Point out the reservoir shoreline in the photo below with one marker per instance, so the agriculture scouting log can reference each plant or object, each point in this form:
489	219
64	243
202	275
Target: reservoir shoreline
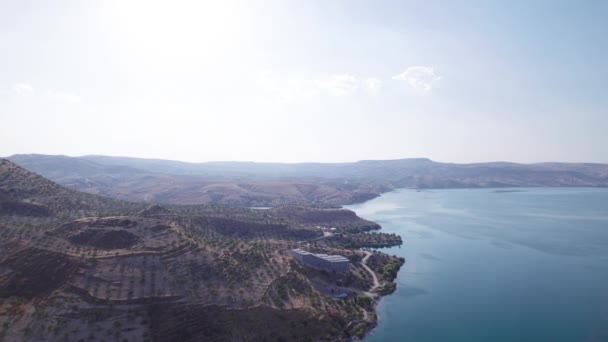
523	265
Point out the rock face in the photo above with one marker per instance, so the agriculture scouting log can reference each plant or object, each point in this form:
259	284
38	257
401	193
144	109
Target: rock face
93	268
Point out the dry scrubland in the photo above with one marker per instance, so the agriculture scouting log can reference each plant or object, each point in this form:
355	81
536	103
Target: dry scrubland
79	267
271	184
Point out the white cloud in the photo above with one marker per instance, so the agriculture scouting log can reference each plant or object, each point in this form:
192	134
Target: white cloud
22	88
58	96
421	78
303	89
61	96
373	85
344	84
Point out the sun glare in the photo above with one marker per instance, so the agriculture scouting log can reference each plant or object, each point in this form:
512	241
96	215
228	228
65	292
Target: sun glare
185	29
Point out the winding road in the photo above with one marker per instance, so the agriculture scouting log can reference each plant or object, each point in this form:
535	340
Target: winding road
364	264
326	234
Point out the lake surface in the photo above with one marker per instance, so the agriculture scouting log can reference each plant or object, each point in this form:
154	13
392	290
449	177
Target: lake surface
495	265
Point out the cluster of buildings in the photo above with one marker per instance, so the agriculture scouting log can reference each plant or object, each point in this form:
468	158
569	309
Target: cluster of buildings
332	229
332	263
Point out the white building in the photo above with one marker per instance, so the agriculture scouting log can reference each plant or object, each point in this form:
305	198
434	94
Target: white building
336	263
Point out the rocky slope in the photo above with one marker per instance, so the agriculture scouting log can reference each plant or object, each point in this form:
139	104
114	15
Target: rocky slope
77	266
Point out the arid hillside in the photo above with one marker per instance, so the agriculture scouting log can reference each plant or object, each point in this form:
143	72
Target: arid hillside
248	184
174	186
77	266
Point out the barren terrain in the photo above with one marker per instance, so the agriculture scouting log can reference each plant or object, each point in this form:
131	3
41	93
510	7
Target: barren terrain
77	266
272	184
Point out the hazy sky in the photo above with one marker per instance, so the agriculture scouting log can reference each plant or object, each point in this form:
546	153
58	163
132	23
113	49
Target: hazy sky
306	80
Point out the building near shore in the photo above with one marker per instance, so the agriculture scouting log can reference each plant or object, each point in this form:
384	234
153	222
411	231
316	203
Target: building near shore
331	263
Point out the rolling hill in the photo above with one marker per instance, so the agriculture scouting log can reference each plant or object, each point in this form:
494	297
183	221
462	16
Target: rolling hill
77	266
270	184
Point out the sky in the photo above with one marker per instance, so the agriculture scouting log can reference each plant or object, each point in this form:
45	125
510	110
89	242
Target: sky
296	81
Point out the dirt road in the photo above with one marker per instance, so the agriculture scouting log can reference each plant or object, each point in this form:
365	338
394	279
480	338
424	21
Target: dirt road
364	264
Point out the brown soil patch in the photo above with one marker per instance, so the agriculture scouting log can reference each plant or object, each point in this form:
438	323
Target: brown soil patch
103	238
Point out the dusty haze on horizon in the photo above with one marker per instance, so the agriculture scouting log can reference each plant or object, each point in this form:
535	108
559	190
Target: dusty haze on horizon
314	81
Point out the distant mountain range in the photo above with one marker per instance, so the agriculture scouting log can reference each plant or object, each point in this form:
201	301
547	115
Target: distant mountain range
271	184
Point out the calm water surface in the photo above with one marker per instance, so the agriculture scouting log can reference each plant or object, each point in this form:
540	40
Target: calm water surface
494	265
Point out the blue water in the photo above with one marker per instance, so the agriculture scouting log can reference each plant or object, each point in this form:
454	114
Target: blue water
488	265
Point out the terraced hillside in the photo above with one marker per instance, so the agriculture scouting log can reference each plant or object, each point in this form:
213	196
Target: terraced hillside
80	267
